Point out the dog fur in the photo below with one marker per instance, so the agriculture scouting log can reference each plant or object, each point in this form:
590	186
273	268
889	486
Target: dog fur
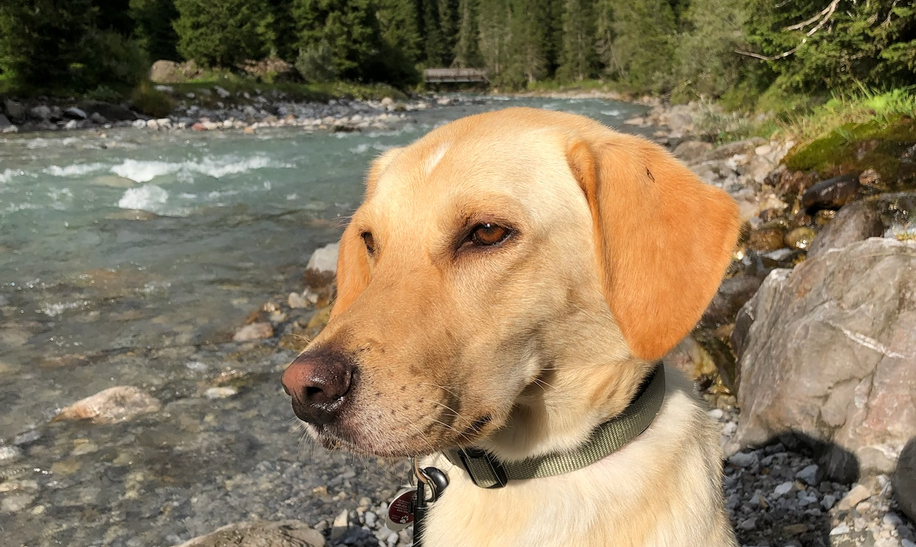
523	347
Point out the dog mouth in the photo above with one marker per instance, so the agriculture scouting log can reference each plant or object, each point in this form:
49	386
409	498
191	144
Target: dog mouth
415	442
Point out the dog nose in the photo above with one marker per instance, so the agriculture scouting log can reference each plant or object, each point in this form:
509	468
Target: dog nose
318	383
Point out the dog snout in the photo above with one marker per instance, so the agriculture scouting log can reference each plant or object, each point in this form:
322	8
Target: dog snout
319	384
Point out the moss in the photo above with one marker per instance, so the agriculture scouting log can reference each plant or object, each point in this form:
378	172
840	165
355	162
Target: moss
854	148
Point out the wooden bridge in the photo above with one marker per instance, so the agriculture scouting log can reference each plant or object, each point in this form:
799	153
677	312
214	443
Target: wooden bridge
454	75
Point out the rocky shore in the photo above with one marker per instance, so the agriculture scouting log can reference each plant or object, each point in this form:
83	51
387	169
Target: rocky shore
212	108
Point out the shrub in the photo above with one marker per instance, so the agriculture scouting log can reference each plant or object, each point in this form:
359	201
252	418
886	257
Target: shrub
148	100
315	63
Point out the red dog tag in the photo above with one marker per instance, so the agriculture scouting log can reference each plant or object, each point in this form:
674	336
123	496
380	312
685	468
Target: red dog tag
400	510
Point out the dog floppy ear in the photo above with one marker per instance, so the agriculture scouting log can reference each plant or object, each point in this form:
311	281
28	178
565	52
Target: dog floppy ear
352	265
663	237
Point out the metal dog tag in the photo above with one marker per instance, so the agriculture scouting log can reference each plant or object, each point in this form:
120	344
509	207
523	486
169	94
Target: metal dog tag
400	510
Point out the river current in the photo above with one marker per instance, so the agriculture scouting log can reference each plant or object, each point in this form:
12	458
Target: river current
125	254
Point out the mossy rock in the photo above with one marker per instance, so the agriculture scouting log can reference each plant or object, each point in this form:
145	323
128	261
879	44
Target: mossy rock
854	148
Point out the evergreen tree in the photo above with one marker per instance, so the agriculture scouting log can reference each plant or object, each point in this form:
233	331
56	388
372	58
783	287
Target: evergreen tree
400	27
67	46
223	32
707	62
348	28
530	41
643	46
436	47
153	27
282	30
493	23
819	45
578	58
448	26
467	49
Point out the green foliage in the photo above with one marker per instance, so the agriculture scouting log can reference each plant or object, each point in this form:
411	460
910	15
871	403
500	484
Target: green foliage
707	64
153	28
816	45
467	48
223	32
349	29
316	64
72	46
400	28
578	57
643	49
494	40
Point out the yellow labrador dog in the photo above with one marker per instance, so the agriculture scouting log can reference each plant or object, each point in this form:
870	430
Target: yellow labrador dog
504	293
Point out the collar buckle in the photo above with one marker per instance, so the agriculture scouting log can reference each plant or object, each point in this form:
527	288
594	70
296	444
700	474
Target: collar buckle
484	470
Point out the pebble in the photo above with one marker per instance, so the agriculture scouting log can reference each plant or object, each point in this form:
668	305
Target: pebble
858	494
743	459
841	529
810	475
220	392
254	331
783	489
9	453
339	527
16	503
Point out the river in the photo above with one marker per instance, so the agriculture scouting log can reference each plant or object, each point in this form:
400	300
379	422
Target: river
129	257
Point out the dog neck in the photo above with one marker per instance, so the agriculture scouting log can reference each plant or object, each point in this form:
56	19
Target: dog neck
486	471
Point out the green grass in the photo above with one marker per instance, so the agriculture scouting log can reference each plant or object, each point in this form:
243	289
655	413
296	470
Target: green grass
845	110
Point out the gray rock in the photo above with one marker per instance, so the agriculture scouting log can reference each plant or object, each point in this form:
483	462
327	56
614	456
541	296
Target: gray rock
810	475
41	112
75	113
254	331
223	93
732	295
109	111
16	503
5	123
72	124
324	259
857	221
783	489
98	118
743	459
15	110
827	360
115	404
692	151
857	495
340	526
904	480
165	72
284	533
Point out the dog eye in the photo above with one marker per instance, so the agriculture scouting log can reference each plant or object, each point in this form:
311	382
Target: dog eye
488	234
369	241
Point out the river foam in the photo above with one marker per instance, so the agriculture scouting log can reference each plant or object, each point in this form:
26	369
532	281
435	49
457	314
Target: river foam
216	167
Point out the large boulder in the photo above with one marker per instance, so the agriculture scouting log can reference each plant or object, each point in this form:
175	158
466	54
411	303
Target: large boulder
857	221
830	357
284	533
166	72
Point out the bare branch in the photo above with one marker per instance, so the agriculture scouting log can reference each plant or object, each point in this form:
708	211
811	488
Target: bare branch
826	13
824	16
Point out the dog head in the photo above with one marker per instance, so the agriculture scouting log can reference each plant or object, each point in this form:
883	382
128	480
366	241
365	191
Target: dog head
505	282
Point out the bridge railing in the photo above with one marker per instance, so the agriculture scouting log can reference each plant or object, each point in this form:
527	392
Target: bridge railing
454	75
